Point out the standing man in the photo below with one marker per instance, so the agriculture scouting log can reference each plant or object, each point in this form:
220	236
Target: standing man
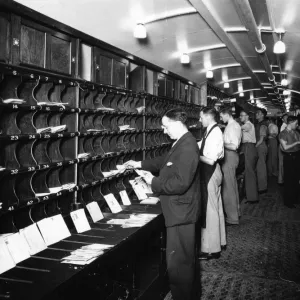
261	133
213	236
178	187
280	154
251	156
272	149
230	194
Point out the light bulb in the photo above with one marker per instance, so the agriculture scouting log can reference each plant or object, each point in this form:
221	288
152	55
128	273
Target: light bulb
241	94
252	101
140	31
284	82
226	85
279	47
286	92
185	59
209	74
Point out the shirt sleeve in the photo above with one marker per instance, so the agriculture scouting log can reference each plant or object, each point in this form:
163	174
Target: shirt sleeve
214	145
263	130
246	127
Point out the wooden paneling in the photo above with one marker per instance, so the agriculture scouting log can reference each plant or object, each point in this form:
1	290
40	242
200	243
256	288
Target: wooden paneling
4	37
32	46
119	74
60	55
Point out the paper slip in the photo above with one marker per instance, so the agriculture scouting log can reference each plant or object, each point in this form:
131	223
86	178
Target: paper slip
80	221
125	198
6	260
124	127
43	130
14	101
121	167
113	203
150	201
78	262
105	108
53	103
138	189
53	229
17	247
97	247
59	128
140	109
96	130
110	173
33	238
83	155
42	194
94	211
2	168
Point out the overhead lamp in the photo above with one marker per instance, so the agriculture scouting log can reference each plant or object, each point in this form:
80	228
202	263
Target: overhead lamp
209	74
287	100
241	94
286	92
284	82
252	101
279	46
185	59
226	85
140	31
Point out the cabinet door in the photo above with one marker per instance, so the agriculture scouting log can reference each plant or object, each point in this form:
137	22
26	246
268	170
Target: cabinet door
161	85
5	31
102	68
119	73
169	88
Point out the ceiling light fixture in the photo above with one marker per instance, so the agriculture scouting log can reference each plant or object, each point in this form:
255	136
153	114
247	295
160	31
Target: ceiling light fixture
185	59
286	92
241	94
279	46
226	85
209	74
284	82
140	31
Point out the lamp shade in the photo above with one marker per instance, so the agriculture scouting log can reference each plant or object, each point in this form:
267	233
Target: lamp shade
209	74
279	47
185	59
226	85
284	82
140	31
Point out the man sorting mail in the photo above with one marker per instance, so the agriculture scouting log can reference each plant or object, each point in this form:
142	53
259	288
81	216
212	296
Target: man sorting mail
178	187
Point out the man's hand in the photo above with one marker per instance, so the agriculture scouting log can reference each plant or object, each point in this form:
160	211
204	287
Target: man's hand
132	164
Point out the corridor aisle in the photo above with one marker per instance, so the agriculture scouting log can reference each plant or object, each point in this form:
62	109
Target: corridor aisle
262	257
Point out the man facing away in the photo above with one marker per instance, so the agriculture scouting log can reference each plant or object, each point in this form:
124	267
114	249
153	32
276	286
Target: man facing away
230	194
251	156
280	154
272	149
261	133
178	187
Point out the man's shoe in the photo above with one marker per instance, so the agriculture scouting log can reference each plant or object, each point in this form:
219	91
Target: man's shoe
230	224
290	205
208	256
223	247
262	191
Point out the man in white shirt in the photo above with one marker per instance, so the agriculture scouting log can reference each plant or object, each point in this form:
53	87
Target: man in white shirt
272	163
251	156
213	236
280	154
230	194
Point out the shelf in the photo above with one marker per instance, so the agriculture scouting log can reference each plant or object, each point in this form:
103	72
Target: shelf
26	137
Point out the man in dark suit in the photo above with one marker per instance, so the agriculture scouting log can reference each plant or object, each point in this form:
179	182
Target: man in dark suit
178	187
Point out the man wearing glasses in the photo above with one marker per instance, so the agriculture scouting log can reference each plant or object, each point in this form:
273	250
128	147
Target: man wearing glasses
251	157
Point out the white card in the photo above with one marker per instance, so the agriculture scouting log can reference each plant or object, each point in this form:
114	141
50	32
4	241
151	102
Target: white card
125	198
138	189
80	221
33	238
17	247
113	203
6	261
53	229
94	211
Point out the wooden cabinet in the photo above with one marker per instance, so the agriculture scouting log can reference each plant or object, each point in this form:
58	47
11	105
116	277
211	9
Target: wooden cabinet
5	36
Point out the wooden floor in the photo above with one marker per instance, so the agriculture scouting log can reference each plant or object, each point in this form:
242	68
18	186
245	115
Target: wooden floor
262	260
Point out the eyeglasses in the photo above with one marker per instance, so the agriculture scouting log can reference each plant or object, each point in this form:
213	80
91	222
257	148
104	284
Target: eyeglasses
244	115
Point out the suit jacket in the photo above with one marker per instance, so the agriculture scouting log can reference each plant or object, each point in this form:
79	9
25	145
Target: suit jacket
178	183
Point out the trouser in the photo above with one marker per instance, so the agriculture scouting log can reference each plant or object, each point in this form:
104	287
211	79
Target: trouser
291	177
280	165
261	167
273	157
213	236
181	260
230	192
251	157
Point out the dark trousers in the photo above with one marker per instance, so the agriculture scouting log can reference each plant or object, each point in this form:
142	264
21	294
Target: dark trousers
181	260
251	158
273	157
291	177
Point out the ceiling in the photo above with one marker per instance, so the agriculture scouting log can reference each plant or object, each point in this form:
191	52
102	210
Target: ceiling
198	25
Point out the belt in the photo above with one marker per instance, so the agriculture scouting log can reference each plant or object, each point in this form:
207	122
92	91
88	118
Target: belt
230	150
249	143
291	153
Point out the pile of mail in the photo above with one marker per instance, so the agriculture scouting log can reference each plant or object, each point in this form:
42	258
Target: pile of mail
135	220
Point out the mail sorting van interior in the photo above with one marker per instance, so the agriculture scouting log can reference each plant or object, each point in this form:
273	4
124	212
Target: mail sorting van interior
72	108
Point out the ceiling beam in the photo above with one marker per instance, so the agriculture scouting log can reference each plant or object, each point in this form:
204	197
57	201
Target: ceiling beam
221	34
